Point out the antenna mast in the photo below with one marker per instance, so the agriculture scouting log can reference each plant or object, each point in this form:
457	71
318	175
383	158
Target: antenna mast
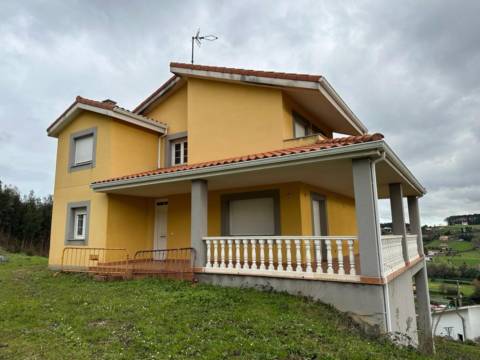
198	40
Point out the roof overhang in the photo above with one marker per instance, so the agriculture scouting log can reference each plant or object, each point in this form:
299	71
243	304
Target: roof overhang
170	86
327	168
114	112
336	112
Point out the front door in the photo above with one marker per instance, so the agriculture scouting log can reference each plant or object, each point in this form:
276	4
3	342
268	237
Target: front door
160	235
319	215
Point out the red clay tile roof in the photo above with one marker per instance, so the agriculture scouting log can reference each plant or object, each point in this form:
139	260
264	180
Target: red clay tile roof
267	74
319	145
107	104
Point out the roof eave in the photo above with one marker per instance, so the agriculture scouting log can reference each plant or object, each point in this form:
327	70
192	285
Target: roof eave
372	149
321	85
74	110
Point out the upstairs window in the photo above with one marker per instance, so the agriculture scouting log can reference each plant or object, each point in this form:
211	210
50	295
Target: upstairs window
302	127
82	149
179	151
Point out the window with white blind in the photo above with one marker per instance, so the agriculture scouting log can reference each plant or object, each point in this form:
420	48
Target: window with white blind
82	149
179	151
255	213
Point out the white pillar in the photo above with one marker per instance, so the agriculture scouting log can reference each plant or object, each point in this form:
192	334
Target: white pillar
414	219
398	216
366	209
199	220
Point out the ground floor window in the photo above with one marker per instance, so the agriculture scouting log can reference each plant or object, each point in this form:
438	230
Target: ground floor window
77	223
252	213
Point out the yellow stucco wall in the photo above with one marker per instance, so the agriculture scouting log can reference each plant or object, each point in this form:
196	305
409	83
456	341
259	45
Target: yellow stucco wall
120	149
226	119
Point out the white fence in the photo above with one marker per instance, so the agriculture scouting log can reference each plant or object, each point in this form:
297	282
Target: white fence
392	253
412	247
285	256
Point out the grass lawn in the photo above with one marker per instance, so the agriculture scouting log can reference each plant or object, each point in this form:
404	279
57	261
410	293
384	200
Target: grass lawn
57	316
467	290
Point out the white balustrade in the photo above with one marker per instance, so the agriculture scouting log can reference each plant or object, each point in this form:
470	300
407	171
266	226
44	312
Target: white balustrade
287	256
392	253
412	247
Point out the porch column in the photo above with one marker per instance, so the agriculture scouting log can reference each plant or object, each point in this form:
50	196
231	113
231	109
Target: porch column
366	206
424	320
398	216
199	220
414	218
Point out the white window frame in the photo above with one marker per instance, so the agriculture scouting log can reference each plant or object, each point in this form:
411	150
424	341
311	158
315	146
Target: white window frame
183	145
77	213
74	211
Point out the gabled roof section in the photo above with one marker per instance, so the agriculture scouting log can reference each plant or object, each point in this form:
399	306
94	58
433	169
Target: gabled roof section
320	145
313	92
107	108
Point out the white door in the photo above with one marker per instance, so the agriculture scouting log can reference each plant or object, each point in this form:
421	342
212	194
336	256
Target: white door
160	235
319	217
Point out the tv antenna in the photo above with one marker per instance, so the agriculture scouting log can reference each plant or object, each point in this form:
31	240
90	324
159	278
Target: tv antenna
198	39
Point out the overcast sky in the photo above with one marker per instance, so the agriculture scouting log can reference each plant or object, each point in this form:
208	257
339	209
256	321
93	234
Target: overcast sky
408	69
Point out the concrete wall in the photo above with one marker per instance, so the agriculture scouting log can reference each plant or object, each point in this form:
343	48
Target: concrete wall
402	308
364	303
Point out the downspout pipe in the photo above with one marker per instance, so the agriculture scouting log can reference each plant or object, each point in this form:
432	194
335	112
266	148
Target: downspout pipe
388	320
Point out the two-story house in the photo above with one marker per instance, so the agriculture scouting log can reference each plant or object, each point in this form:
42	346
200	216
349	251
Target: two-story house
243	167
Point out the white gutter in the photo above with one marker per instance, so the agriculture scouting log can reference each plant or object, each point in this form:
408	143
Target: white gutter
369	149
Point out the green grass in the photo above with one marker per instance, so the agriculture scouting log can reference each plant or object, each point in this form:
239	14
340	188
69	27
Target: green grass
44	315
435	287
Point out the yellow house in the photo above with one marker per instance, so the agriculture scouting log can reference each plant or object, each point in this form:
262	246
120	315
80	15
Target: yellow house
242	167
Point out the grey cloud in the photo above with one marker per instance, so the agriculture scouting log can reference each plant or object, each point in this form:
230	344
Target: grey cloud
408	69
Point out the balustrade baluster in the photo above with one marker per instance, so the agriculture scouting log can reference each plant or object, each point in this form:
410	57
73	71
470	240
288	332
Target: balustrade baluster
308	258
318	255
230	254
262	254
279	255
245	254
254	254
237	254
351	258
209	255
270	254
215	253
222	255
298	256
329	256
289	255
341	270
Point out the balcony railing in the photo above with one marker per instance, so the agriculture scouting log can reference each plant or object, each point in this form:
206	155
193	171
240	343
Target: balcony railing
283	256
392	253
412	247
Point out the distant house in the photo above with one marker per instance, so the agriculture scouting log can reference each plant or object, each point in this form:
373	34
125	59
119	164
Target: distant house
471	219
459	324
